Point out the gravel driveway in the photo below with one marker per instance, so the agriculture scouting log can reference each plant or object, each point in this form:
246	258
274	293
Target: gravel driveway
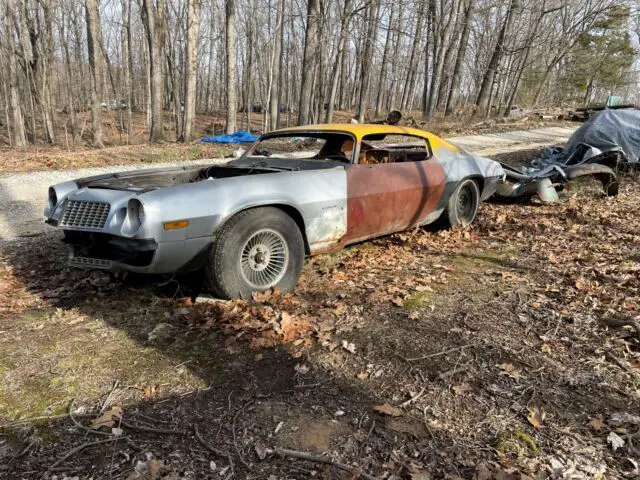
23	195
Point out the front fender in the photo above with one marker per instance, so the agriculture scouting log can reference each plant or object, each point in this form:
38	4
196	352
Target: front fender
604	174
318	195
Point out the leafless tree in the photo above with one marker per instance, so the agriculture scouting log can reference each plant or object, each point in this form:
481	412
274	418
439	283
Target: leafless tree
19	137
311	44
193	29
230	36
294	61
153	14
94	40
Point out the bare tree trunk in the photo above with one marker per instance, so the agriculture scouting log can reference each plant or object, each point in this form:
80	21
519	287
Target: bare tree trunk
210	65
172	86
367	58
94	39
525	60
417	37
338	62
431	45
391	99
456	77
19	137
451	47
230	36
47	73
311	43
127	61
248	73
440	60
71	100
193	30
6	110
321	67
383	69
153	19
274	93
357	64
280	60
28	42
484	95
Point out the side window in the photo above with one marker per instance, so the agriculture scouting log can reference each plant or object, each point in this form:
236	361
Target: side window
377	149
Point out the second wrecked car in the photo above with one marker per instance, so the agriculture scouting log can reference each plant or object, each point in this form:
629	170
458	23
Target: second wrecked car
606	144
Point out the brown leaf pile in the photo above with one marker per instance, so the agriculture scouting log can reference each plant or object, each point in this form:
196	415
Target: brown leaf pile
274	319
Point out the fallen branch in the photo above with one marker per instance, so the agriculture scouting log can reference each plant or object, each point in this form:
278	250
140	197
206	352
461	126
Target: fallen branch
15	423
612	358
233	431
105	404
82	427
414	398
214	450
79	448
622	322
283	452
444	352
162	431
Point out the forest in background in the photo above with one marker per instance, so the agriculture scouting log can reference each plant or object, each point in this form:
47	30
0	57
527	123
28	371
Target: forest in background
68	64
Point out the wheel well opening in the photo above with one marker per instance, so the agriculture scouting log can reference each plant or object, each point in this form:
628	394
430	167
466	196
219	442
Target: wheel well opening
297	217
479	181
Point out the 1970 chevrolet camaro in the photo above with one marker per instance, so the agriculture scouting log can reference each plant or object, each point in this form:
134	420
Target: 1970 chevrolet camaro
250	222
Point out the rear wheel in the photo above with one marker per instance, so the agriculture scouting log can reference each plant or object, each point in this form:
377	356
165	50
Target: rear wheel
255	250
462	207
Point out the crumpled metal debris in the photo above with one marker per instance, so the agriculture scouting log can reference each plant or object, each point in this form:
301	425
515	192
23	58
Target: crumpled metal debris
605	145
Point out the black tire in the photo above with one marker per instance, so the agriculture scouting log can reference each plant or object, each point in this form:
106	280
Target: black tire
463	205
254	251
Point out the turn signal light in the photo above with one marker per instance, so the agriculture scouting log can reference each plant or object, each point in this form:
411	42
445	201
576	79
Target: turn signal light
177	225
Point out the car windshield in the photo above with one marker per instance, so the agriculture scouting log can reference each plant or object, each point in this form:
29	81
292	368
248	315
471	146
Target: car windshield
305	145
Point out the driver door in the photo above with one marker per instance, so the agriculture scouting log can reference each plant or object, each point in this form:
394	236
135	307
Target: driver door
397	190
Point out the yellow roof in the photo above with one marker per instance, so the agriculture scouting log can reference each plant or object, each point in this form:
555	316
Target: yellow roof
360	130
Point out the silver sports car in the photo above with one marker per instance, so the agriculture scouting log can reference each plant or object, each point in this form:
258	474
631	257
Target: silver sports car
250	222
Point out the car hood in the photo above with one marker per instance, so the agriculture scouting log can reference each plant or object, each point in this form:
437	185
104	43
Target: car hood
141	181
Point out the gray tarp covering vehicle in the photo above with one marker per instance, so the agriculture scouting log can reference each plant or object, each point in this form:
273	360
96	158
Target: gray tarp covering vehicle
607	143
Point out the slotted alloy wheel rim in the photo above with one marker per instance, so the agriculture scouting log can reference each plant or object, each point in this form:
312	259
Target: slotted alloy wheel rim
264	259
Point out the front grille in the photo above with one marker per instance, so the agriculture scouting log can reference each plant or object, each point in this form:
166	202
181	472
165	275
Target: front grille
89	262
84	214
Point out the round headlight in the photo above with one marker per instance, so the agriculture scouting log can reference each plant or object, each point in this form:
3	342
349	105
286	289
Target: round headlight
53	198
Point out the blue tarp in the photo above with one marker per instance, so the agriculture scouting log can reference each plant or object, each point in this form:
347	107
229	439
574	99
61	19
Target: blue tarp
241	136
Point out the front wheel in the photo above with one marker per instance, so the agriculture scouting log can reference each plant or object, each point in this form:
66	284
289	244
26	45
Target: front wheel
255	250
462	207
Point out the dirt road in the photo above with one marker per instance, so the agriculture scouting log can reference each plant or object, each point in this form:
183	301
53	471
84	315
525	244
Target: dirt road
23	195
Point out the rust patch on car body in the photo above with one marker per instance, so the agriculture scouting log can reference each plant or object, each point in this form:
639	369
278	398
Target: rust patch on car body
383	199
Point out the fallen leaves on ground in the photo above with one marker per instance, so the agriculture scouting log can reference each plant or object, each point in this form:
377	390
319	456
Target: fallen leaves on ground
107	419
597	423
510	370
527	287
387	409
536	417
462	388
